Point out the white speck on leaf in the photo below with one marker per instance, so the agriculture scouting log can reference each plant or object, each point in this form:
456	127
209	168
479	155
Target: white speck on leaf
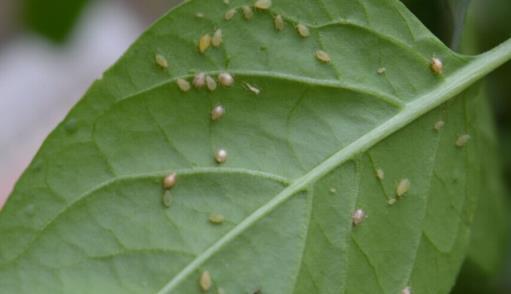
229	14
169	181
221	156
217	39
205	281
161	61
199	80
225	79
303	30
279	23
358	217
403	187
183	85
437	66
217	112
462	140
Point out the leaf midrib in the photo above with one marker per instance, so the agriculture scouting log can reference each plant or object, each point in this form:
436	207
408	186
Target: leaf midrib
449	88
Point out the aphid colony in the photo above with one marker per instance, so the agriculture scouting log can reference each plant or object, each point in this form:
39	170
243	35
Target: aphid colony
224	79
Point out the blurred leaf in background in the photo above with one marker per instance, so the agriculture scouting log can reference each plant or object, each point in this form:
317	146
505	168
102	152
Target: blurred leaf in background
53	19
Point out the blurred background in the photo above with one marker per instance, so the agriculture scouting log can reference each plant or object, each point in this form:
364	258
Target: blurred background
52	50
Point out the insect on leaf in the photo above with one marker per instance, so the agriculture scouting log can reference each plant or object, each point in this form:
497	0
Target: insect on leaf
294	155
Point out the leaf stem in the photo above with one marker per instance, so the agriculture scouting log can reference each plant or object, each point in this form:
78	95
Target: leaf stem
449	88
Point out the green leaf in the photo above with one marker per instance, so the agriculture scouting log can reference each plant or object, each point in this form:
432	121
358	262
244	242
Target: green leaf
87	215
490	230
54	19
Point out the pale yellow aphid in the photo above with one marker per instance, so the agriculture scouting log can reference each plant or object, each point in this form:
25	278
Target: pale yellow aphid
279	23
403	187
323	56
205	281
169	181
248	13
358	217
406	290
392	201
216	218
183	85
166	198
227	2
217	112
220	156
252	89
380	174
217	39
262	4
437	66
303	30
229	14
333	190
221	291
225	79
381	70
439	125
462	140
199	80
204	43
199	15
161	61
211	83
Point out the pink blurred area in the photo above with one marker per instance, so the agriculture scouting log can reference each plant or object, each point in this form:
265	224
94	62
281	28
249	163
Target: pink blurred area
40	81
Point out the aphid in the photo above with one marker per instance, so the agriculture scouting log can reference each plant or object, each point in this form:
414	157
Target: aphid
439	125
166	199
205	281
279	23
161	61
437	66
262	4
211	83
358	217
199	15
247	12
183	85
217	112
227	2
392	201
257	291
229	14
216	218
380	174
462	140
221	156
221	291
381	70
303	30
204	43
169	181
225	79
406	290
216	41
323	56
403	187
199	80
252	89
333	190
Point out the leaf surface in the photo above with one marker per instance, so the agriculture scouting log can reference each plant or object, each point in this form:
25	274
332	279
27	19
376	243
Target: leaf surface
87	216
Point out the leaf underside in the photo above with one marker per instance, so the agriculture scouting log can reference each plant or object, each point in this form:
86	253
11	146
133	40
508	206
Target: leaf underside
87	217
